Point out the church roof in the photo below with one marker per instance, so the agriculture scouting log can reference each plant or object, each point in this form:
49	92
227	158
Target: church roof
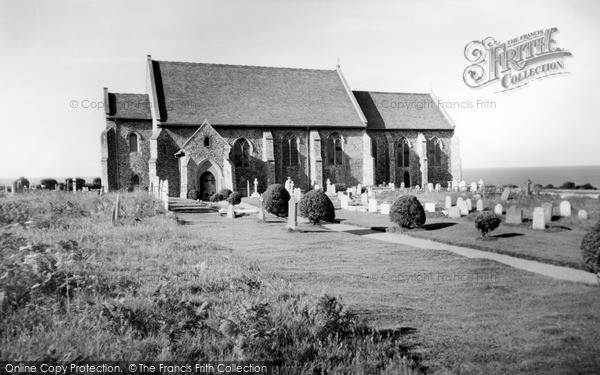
393	110
127	106
189	93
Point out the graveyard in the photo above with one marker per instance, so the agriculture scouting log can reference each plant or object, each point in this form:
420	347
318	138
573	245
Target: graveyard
142	263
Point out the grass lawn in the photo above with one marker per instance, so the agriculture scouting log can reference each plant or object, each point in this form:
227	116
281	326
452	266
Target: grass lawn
467	316
558	245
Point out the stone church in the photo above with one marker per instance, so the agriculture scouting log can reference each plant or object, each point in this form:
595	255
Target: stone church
213	126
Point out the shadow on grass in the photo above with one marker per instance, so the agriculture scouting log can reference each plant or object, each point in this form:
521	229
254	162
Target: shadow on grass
508	235
362	232
436	226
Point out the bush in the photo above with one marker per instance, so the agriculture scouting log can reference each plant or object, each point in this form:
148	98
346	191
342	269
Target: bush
568	185
590	249
275	200
316	206
225	193
407	212
587	186
486	222
216	198
48	183
234	198
549	186
193	194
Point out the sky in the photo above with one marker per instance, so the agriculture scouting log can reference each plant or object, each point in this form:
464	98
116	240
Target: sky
56	53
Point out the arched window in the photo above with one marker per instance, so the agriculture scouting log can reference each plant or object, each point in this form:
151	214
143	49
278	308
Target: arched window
334	150
135	181
289	150
434	152
241	153
403	153
206	142
134	142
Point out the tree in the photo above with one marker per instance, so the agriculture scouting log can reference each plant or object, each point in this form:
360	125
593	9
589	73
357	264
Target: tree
48	183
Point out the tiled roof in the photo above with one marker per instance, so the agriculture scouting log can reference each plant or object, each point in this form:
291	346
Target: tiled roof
190	93
387	110
128	106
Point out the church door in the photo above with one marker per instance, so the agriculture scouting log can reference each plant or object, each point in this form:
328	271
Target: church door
207	185
406	179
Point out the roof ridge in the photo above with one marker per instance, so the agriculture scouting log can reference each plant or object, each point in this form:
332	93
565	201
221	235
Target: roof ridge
242	66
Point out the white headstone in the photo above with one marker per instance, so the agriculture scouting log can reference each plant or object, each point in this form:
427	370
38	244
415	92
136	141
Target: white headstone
261	210
230	213
292	214
364	199
547	206
402	185
454	212
297	194
438	187
479	205
464	210
430	187
385	208
359	189
480	185
473	186
429	207
448	202
582	214
469	204
373	205
539	218
344	201
565	209
498	209
459	200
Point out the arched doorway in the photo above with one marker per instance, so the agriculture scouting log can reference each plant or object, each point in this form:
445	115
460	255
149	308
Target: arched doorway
406	179
208	185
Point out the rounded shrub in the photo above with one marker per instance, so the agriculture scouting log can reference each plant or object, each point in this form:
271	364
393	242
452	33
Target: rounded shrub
486	222
234	198
225	193
275	200
590	249
316	206
407	212
193	194
340	187
216	197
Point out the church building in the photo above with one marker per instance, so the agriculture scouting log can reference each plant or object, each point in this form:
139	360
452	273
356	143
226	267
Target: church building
206	127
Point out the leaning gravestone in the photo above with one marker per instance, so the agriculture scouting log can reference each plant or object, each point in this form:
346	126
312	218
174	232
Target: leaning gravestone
547	206
514	215
448	202
479	205
582	215
454	212
429	207
505	194
539	218
498	209
565	209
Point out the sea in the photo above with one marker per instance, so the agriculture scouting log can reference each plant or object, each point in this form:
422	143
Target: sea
538	175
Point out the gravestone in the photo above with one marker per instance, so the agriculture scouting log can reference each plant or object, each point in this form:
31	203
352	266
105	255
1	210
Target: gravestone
514	215
582	215
429	207
547	206
297	194
448	202
565	209
459	201
464	210
430	187
385	208
359	189
469	204
438	187
230	213
373	205
479	205
364	199
480	185
402	186
344	201
528	188
292	214
498	209
539	218
393	186
340	194
255	194
473	186
287	184
261	210
505	194
328	191
454	212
